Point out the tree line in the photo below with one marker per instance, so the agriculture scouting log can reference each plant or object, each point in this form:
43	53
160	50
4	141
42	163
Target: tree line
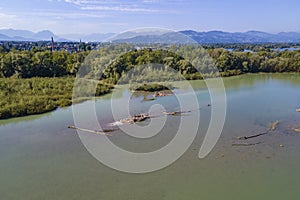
28	64
209	62
37	63
231	63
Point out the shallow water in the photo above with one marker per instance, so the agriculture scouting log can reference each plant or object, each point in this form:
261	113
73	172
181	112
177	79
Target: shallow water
41	159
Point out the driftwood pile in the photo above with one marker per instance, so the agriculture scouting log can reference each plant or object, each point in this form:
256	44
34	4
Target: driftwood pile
135	118
162	94
142	117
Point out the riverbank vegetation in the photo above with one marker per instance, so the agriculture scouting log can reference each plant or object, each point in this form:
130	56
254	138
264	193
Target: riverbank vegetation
21	97
36	81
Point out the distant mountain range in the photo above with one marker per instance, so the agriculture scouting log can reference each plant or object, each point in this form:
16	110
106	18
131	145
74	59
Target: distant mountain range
186	36
189	36
247	37
94	37
24	35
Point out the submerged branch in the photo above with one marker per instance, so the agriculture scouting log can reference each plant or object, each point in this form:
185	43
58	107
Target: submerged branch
104	132
252	136
297	130
176	112
245	144
272	128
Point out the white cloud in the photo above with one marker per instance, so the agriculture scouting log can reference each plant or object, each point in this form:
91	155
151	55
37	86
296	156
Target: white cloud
82	2
118	8
112	5
73	15
6	16
150	1
7	20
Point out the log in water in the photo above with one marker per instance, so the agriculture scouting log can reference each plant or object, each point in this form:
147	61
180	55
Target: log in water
104	132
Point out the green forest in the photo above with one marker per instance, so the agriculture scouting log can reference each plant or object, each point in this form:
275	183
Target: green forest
44	63
39	80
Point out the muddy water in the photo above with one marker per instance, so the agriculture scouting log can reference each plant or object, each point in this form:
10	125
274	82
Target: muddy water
41	159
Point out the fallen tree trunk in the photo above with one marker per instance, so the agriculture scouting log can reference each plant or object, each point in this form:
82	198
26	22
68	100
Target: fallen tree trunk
297	130
176	112
104	132
272	128
252	136
149	99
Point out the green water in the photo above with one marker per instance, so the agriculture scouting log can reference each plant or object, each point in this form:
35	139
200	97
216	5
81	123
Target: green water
41	159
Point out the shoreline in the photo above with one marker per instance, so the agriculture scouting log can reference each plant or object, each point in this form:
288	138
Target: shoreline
70	103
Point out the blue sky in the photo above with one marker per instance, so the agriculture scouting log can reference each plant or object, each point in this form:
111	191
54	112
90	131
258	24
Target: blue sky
93	16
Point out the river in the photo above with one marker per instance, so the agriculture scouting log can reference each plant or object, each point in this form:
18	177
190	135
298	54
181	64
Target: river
40	158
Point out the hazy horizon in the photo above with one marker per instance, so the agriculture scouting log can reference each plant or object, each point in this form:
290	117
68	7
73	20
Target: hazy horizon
138	28
115	16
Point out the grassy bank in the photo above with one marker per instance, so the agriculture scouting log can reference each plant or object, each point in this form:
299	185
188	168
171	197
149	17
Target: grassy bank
21	97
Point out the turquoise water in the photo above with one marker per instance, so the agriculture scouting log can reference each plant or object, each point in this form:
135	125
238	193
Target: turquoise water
41	159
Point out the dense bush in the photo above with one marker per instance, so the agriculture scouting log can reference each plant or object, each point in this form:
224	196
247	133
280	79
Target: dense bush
20	97
28	64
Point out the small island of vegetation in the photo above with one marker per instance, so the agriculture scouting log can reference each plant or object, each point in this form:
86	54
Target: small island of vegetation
152	87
